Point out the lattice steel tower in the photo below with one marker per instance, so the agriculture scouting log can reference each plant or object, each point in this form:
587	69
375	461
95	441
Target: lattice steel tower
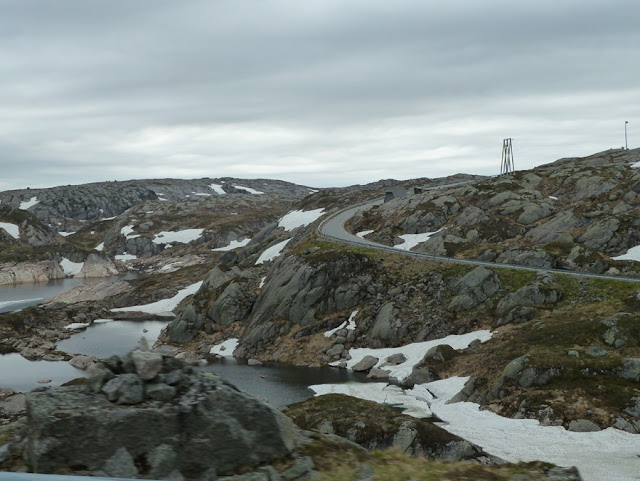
507	166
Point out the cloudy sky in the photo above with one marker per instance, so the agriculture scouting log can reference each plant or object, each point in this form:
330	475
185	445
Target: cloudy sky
318	92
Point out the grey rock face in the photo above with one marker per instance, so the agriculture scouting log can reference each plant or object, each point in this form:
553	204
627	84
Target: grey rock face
583	426
365	364
381	329
529	295
124	389
207	427
148	364
474	288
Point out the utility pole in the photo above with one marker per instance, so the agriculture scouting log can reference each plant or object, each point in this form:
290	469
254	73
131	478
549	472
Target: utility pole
626	146
507	165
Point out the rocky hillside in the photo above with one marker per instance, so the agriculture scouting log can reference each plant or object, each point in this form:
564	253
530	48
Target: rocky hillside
575	214
564	349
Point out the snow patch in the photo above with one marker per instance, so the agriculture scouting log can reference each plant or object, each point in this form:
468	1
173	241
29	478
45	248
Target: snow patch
183	236
553	198
364	233
313	191
29	203
412	240
350	324
65	234
102	321
217	188
232	245
77	325
12	229
262	282
99	247
272	252
108	218
204	195
125	257
164	306
606	454
249	189
299	218
127	231
225	349
414	352
71	268
636	165
632	254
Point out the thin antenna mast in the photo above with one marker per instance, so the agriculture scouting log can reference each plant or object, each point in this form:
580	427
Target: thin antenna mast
507	165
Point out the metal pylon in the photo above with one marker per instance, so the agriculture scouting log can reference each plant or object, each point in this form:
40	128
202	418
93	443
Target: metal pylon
507	166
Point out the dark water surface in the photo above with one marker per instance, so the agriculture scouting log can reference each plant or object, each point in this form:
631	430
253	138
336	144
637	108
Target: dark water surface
278	384
19	296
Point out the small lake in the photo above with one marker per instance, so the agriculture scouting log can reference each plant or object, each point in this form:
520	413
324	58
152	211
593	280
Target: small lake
278	384
19	296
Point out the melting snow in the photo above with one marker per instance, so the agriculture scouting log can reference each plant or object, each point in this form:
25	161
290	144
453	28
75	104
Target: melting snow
65	234
99	247
71	268
205	195
350	324
636	165
298	218
364	233
125	257
632	254
108	218
12	229
233	245
249	189
127	231
553	198
262	282
313	191
272	252
182	236
164	306
225	349
217	188
102	321
77	325
28	204
412	240
414	352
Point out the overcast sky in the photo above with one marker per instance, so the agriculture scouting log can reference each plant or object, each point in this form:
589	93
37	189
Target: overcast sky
318	92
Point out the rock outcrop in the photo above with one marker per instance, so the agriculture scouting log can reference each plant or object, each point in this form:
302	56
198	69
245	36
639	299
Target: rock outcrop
148	415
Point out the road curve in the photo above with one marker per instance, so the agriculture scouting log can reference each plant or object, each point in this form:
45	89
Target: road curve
332	228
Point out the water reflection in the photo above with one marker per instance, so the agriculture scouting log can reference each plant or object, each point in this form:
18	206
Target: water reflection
116	337
22	375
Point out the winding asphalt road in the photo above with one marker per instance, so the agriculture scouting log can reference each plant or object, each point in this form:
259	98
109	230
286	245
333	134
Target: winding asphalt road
332	228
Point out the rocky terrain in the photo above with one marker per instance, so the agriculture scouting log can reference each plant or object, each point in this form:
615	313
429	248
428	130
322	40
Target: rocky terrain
562	349
573	214
148	415
101	228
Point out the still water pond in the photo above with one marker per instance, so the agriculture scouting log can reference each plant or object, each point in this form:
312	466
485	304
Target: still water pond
278	384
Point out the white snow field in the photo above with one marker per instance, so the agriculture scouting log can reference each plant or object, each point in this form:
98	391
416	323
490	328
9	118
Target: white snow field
234	244
632	254
225	349
609	454
413	352
350	324
128	232
272	252
164	306
12	229
71	268
217	188
29	203
183	236
249	189
125	257
364	233
299	218
412	240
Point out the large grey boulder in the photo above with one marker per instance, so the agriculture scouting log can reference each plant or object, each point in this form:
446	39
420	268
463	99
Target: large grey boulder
474	288
208	426
365	364
531	295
